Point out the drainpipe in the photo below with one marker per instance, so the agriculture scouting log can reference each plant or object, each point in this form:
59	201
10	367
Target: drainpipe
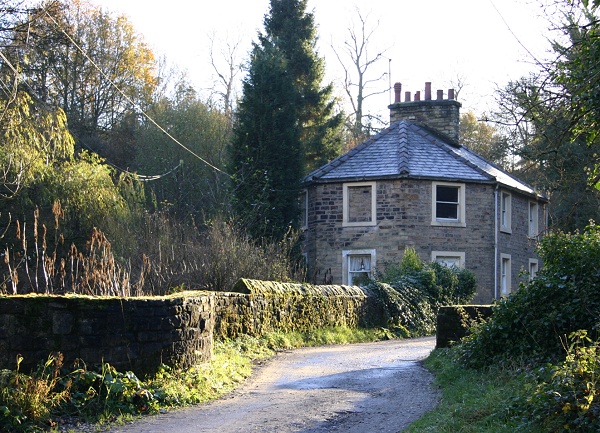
496	242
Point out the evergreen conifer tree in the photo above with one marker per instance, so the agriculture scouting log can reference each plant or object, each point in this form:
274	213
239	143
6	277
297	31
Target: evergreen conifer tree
293	31
266	152
286	124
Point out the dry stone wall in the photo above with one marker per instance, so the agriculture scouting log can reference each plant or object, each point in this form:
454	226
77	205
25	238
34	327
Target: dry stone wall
135	334
259	307
139	334
454	322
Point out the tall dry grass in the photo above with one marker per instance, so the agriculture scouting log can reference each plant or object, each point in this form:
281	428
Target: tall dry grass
165	256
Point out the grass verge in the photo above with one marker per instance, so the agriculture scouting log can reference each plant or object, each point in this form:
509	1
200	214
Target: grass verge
476	401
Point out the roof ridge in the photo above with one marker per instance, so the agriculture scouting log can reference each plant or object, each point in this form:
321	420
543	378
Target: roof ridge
434	139
502	170
403	149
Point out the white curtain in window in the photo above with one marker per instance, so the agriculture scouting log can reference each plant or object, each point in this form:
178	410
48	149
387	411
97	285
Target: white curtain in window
359	263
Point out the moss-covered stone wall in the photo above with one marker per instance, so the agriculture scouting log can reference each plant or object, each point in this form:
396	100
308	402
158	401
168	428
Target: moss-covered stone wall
453	322
139	334
135	334
257	307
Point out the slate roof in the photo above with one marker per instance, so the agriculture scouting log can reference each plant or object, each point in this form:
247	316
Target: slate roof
408	150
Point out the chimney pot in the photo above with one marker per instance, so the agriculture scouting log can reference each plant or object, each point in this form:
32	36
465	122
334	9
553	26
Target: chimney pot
442	116
397	92
428	91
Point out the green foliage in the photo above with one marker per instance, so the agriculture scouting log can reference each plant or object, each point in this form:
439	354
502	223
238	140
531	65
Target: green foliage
33	140
292	29
107	390
266	152
413	290
576	70
28	401
483	139
529	325
193	189
63	77
87	193
442	285
405	308
568	395
554	114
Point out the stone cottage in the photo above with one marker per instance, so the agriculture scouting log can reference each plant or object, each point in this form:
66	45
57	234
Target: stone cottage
414	185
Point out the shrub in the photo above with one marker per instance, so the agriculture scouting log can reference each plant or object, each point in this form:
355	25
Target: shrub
213	257
529	325
405	309
442	285
568	395
27	401
413	290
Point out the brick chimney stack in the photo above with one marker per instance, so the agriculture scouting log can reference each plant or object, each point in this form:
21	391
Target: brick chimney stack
441	115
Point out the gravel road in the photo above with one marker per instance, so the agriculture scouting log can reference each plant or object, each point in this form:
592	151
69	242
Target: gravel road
359	388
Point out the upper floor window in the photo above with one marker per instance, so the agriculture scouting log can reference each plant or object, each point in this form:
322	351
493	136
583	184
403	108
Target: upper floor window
533	219
359	204
505	212
448	204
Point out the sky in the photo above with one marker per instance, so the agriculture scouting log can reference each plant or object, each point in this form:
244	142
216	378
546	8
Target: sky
484	43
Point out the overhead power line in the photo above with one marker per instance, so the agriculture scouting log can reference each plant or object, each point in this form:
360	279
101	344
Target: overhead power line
136	106
514	35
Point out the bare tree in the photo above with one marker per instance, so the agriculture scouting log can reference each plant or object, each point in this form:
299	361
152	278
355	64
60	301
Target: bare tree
359	84
458	83
227	68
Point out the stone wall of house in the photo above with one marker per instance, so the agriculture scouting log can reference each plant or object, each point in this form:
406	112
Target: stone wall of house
135	334
359	199
517	243
404	214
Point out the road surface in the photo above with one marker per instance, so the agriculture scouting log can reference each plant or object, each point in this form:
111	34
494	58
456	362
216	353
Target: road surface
360	388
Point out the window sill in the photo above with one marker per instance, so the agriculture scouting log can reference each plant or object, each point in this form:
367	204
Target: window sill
360	224
448	223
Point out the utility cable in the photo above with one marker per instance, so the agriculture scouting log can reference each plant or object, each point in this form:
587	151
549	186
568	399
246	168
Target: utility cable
514	35
136	106
140	177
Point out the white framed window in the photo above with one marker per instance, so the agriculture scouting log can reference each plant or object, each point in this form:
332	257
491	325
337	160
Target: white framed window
303	204
533	268
505	212
359	207
449	258
357	264
533	219
505	274
448	204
